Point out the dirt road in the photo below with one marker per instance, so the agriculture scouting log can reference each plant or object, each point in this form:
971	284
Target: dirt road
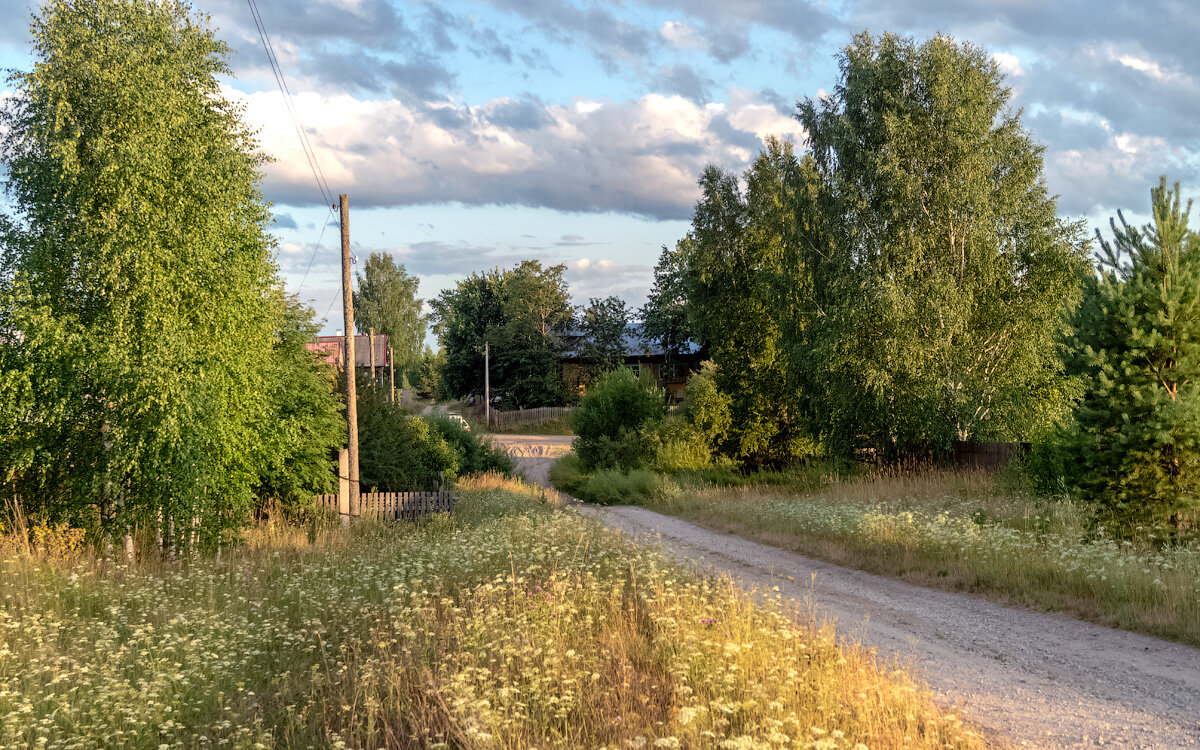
1038	680
535	453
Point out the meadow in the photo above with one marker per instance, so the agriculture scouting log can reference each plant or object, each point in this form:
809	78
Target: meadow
960	531
510	624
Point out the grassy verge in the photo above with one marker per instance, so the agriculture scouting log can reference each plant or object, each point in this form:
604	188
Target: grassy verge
956	531
512	624
542	427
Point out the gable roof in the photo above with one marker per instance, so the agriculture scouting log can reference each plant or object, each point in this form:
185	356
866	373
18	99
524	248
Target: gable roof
632	343
331	347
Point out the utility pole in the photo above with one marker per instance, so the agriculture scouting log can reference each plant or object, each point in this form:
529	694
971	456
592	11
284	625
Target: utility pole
392	372
351	386
487	387
371	343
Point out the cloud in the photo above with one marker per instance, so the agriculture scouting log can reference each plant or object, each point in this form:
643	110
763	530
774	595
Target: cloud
285	221
1114	87
637	156
684	81
681	35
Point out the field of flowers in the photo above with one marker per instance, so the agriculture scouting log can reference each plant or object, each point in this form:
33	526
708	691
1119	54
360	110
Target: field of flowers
968	532
512	624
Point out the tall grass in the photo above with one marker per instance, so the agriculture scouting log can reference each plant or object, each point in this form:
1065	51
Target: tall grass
512	624
970	531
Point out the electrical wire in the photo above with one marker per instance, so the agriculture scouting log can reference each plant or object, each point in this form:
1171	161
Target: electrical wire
310	154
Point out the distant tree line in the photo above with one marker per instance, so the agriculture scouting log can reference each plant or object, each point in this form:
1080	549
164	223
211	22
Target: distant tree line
525	316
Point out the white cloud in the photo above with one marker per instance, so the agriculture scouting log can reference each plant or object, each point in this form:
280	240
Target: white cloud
639	156
681	35
1009	64
1148	67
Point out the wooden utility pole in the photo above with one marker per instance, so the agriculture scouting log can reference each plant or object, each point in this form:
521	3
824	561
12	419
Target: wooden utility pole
392	372
351	386
487	387
371	343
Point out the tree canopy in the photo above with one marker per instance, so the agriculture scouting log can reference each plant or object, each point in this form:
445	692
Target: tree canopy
602	325
941	275
138	284
523	313
387	302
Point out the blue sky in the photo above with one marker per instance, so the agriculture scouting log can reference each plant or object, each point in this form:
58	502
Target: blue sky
477	133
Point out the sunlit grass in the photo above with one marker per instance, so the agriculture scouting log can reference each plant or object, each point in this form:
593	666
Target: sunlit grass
512	624
969	531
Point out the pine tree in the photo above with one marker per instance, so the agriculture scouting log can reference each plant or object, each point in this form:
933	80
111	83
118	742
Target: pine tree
1137	345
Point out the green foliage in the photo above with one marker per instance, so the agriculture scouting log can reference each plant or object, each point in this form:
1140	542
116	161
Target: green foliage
938	270
523	313
474	455
610	418
139	275
675	444
1137	347
306	427
665	314
706	406
463	319
612	486
428	381
733	251
603	325
387	302
398	452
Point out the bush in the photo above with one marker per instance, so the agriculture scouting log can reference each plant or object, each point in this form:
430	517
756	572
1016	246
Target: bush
613	486
610	419
474	455
706	406
398	452
675	444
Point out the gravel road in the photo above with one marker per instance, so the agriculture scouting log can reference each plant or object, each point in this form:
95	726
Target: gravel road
1034	679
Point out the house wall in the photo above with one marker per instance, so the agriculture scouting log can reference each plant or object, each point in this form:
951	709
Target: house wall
672	377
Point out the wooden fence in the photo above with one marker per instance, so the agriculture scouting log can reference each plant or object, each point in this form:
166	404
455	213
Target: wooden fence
987	455
394	506
502	419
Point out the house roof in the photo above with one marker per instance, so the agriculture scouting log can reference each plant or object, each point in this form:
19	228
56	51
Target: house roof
331	347
632	342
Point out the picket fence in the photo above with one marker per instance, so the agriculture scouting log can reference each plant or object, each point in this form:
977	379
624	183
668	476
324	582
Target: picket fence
395	506
503	419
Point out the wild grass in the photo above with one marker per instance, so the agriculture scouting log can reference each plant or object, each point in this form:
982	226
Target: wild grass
542	427
510	625
970	531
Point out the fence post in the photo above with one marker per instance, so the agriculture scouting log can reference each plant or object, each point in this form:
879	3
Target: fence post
344	485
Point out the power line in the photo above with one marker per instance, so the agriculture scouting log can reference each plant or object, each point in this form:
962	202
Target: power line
277	70
317	249
310	154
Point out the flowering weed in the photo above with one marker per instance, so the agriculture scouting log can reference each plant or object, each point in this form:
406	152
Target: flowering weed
512	624
966	532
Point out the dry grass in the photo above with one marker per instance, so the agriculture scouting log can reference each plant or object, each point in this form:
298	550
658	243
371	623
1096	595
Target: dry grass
511	625
967	531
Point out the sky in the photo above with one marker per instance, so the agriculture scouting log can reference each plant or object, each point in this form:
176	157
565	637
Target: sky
471	134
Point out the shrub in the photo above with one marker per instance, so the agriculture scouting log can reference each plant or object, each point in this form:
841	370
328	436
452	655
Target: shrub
613	486
610	419
706	406
398	452
474	455
675	444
